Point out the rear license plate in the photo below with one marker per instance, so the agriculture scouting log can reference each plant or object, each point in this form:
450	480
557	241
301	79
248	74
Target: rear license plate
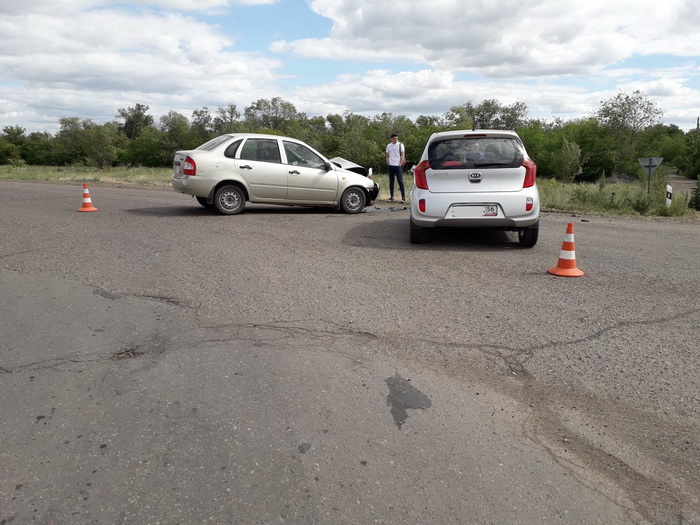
469	212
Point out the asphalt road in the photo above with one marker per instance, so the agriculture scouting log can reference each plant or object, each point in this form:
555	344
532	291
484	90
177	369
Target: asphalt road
160	363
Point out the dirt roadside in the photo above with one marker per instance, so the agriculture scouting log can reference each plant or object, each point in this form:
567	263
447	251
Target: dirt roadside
680	183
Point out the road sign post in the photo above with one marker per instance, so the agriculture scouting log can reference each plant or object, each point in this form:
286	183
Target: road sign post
650	164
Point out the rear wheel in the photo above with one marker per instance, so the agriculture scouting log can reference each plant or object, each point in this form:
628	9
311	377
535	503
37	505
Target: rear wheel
229	200
527	237
416	234
353	200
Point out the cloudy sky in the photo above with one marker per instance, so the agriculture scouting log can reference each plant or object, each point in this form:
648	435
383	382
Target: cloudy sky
87	58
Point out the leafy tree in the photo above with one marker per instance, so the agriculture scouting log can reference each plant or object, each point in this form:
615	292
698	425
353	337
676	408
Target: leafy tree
202	126
227	120
351	139
489	114
667	141
597	147
9	152
39	149
176	128
135	120
460	117
99	144
567	161
312	131
151	148
604	144
13	135
692	169
429	121
70	140
269	114
627	115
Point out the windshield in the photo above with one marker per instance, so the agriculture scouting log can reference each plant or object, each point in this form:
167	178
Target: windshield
474	152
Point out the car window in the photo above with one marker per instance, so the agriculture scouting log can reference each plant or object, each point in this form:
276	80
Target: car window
470	152
231	150
263	150
208	146
300	155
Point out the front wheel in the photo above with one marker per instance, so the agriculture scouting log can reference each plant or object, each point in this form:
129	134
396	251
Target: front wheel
353	200
229	200
527	237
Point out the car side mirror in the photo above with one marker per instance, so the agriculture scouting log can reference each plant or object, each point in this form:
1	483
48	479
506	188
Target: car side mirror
328	166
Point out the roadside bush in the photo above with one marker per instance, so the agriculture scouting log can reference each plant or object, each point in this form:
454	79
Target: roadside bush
641	202
694	201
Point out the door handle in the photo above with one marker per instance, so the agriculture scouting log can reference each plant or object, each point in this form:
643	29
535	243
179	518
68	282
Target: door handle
246	167
294	172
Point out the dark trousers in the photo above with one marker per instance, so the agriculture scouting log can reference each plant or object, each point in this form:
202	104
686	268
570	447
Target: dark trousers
396	172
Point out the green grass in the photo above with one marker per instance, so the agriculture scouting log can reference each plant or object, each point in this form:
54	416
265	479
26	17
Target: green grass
629	198
117	176
619	198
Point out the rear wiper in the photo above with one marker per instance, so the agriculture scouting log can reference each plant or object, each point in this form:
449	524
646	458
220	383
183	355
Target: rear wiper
493	164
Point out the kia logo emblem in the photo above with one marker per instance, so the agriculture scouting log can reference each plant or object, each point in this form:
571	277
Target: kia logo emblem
475	176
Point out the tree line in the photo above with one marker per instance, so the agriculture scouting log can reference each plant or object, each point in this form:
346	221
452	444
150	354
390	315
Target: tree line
604	144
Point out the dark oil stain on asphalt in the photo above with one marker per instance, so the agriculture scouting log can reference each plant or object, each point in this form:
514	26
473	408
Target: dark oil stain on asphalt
403	396
129	353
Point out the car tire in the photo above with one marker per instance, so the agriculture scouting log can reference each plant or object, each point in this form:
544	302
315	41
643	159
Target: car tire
527	237
353	200
417	234
229	200
203	202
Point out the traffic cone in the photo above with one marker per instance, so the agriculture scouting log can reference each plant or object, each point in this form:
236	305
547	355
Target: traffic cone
566	267
87	203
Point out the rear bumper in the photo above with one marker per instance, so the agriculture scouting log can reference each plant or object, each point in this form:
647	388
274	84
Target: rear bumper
197	186
439	209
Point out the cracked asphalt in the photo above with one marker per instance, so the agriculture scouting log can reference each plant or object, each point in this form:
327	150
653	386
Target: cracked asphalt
163	364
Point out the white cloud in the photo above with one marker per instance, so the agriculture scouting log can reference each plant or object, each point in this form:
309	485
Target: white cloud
502	39
87	58
106	57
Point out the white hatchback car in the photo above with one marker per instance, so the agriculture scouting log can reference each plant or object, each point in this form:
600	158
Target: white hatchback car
229	170
475	179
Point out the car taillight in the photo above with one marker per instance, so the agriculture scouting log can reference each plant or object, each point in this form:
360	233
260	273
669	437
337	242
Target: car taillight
419	175
421	205
530	173
190	167
529	204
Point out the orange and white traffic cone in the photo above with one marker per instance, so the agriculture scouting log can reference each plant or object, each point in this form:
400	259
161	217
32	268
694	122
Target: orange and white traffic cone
87	203
566	267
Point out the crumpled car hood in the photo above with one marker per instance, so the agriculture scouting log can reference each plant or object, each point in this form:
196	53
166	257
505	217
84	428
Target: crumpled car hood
350	166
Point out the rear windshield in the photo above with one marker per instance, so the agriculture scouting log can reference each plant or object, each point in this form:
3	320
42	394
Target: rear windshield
214	142
476	152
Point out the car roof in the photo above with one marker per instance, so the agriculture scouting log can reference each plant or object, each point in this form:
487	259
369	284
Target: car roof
258	135
476	133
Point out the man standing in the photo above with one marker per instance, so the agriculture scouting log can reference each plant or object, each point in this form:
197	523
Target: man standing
395	158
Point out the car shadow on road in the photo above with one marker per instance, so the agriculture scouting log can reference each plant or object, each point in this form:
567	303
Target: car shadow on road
199	211
393	234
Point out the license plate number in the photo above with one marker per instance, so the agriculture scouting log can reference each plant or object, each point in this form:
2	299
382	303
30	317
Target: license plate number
482	210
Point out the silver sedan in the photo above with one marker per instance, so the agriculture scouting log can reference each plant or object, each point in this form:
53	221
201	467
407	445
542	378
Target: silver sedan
230	170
